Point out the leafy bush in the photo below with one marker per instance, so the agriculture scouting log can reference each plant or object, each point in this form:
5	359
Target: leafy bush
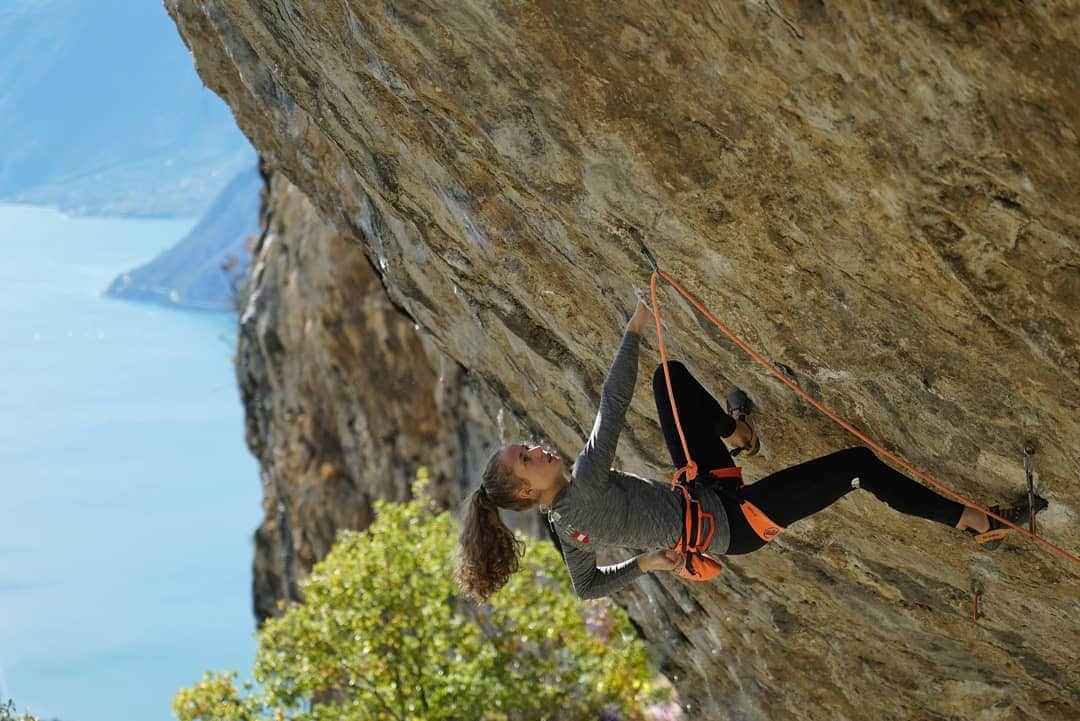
8	713
384	634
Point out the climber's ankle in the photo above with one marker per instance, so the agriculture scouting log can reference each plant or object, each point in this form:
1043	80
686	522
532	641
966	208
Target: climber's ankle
974	519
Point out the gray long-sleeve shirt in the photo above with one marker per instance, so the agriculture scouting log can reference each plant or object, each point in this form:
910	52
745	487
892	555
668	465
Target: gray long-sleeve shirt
603	506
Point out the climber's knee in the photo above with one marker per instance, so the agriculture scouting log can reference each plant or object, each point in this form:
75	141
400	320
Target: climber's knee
677	370
858	457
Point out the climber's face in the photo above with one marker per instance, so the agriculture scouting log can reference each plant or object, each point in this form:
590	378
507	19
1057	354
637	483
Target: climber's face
539	470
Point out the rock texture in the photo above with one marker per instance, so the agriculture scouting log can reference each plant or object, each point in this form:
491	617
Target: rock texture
880	196
344	399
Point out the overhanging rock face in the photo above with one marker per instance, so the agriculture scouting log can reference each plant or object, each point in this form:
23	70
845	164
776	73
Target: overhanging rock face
880	196
344	400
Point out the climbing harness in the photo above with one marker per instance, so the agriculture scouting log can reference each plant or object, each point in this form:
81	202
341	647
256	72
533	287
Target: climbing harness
695	539
689	472
765	528
694	542
699	525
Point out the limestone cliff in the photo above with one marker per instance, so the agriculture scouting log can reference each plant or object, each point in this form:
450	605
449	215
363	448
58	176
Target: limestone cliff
344	399
878	195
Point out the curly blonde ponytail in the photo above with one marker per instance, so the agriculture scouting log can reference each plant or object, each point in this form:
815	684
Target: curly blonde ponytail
488	552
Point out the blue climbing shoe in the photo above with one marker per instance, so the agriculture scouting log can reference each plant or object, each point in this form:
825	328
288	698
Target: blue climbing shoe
739	407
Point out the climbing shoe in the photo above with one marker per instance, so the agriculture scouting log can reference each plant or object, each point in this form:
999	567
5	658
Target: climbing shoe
739	407
1017	513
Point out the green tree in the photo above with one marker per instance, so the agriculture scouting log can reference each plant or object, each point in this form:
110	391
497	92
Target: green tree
383	634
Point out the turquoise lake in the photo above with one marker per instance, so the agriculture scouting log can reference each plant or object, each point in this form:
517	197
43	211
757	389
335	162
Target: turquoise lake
128	498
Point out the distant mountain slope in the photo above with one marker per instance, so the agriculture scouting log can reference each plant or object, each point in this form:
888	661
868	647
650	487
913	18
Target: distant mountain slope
101	112
203	270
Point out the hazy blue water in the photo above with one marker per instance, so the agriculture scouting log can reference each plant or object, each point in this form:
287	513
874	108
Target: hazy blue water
127	495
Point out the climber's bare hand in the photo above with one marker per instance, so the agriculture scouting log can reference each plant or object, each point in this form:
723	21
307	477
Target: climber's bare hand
642	315
663	560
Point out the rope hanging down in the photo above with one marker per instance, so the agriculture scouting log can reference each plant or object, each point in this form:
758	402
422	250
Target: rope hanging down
690	471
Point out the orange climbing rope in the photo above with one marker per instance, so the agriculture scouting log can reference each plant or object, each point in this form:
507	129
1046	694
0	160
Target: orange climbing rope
690	471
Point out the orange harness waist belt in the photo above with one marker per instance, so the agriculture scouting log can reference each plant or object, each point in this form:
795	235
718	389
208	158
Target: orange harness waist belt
695	538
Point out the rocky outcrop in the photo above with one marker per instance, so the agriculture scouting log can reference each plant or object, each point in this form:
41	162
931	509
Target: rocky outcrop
878	195
204	271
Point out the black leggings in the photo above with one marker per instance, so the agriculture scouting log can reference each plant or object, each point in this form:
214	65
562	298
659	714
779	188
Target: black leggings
793	493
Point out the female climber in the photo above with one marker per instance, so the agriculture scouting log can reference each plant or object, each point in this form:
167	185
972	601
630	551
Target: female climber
601	506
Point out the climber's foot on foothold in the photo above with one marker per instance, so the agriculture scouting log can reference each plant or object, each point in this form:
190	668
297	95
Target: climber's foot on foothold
739	407
1017	512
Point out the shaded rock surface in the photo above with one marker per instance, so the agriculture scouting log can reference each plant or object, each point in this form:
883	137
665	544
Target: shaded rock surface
344	399
880	196
206	268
